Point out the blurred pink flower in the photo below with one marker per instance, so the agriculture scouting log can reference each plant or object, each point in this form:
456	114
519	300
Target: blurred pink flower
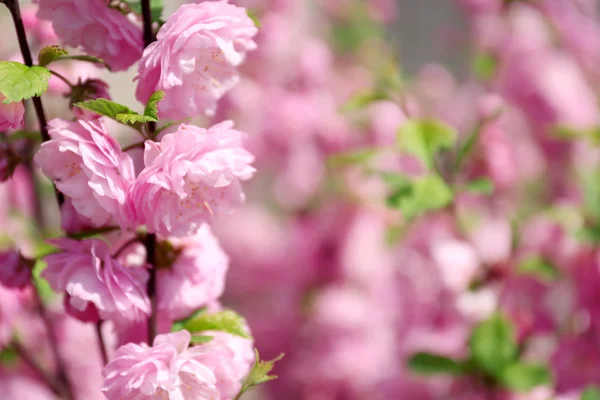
14	272
40	30
102	31
196	277
171	370
190	176
195	58
87	165
89	275
11	114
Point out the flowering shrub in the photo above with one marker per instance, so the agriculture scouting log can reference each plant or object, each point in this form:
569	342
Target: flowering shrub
282	188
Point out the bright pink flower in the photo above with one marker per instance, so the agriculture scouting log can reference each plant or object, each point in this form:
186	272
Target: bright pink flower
88	274
101	31
195	58
14	272
11	114
87	165
171	370
189	176
197	276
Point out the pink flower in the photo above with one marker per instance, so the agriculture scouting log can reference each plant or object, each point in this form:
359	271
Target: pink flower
195	58
242	349
14	272
91	89
11	114
189	176
87	165
197	276
101	31
88	274
171	370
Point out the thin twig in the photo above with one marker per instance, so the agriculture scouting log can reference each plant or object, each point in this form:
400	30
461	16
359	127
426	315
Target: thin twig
101	343
62	78
133	146
125	246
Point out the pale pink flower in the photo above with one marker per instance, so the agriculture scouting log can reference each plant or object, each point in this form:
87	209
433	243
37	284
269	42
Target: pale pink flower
88	274
195	57
87	165
171	370
102	31
196	277
189	176
14	271
241	348
41	30
11	114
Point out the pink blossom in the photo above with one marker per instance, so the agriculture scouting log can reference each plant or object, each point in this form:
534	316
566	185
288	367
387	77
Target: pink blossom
42	30
14	272
195	58
87	165
189	176
196	277
89	275
171	370
102	31
11	114
457	262
241	348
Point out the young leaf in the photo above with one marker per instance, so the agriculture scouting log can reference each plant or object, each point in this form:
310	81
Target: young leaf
522	377
258	374
348	158
113	110
483	186
425	194
226	321
134	119
493	344
151	109
362	100
424	138
432	364
485	66
254	17
50	53
592	392
539	268
199	339
18	81
156	8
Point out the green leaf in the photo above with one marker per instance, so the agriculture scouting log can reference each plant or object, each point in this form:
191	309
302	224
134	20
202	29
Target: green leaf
8	356
50	53
538	267
522	377
199	339
156	8
226	321
424	138
254	17
485	66
432	364
362	100
113	110
590	183
483	186
258	374
151	109
592	392
349	158
18	81
425	194
493	345
42	286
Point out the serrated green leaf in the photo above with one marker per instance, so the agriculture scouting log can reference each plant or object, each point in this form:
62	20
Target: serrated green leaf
105	107
424	138
591	393
362	100
539	268
50	53
258	374
482	186
433	364
132	119
493	344
199	339
156	8
226	321
522	377
19	82
425	194
151	109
